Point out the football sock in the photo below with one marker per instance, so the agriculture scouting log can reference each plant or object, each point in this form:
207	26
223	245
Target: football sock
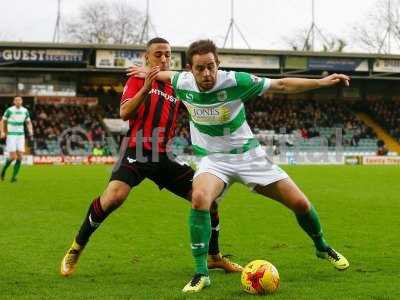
17	166
93	219
200	232
6	165
311	225
213	247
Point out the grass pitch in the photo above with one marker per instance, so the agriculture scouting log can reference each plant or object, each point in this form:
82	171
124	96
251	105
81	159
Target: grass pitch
142	250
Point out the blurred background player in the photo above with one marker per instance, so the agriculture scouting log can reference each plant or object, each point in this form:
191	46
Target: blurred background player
13	129
151	108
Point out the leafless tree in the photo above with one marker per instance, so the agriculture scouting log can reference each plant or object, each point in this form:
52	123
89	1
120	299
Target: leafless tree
379	30
300	41
103	22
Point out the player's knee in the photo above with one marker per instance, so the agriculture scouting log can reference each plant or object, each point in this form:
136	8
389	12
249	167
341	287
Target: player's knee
200	199
114	198
301	205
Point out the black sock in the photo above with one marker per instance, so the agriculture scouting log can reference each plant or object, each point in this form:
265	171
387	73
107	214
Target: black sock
6	165
93	219
213	247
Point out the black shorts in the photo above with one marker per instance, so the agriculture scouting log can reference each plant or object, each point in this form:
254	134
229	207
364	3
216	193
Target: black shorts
172	174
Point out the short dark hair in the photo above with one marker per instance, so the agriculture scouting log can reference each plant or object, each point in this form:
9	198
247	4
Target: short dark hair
201	47
156	40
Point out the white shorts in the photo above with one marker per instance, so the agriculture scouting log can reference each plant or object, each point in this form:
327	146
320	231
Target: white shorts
251	171
15	143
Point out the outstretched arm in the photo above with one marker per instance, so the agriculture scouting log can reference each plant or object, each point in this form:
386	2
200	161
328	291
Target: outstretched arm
141	72
298	85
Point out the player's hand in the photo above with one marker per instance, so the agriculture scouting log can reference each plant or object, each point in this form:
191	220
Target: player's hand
150	77
2	136
137	71
334	79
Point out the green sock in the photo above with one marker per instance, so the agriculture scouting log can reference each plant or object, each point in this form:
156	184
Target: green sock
311	225
17	166
6	165
200	232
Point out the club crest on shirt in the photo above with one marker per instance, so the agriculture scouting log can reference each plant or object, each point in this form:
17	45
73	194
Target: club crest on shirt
222	95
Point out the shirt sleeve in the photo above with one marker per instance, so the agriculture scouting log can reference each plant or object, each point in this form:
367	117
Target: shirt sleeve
174	80
6	114
131	87
27	116
250	85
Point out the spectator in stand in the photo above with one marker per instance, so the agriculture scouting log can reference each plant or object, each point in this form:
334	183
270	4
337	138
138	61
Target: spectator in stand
97	150
382	150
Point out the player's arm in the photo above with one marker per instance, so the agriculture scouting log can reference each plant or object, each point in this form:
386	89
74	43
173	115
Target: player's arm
129	108
3	128
298	85
141	72
30	127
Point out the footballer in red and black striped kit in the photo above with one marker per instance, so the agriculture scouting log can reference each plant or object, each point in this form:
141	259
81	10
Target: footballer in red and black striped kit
151	108
158	112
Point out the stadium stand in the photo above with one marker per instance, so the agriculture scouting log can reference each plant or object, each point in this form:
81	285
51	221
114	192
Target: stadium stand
82	124
309	125
305	125
388	114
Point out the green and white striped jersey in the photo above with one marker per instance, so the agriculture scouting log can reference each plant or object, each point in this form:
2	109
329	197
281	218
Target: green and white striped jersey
217	117
16	118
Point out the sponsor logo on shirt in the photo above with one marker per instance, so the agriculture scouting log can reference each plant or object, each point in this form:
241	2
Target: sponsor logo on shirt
167	97
213	115
189	97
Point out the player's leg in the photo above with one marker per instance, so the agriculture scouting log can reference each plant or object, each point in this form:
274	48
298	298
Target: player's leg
12	156
17	165
287	192
206	188
123	178
20	149
11	148
113	196
176	176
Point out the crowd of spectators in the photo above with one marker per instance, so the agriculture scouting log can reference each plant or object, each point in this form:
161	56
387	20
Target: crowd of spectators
388	114
306	118
111	111
77	124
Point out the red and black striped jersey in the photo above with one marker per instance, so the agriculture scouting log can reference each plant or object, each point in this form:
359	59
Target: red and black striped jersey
155	118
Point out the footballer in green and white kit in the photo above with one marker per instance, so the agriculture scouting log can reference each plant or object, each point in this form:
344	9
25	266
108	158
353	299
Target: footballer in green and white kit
221	135
219	130
13	129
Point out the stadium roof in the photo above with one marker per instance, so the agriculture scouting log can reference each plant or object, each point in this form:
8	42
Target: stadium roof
221	50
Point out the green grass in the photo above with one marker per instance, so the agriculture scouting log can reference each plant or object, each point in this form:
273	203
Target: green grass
142	250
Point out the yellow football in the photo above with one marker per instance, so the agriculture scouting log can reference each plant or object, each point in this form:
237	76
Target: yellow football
260	277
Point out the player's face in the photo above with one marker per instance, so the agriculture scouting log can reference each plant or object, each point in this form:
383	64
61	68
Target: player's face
159	55
17	101
204	69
